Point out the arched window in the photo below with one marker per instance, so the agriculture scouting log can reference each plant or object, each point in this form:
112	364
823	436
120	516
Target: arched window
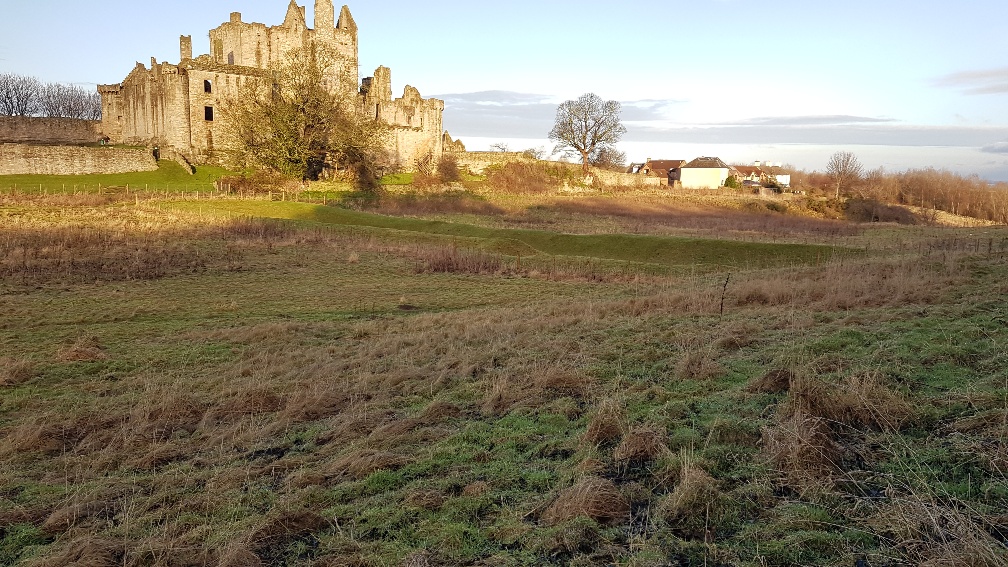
207	87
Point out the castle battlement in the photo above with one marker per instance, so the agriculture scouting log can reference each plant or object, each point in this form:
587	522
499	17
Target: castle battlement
178	105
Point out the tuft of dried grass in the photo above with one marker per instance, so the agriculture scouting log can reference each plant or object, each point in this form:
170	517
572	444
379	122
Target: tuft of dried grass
83	349
803	450
475	489
88	551
426	499
641	445
775	381
238	556
277	531
607	423
566	383
861	400
695	494
417	559
360	464
592	497
94	507
697	361
15	371
933	533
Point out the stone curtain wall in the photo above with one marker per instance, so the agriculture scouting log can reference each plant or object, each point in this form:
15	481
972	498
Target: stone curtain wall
21	129
22	159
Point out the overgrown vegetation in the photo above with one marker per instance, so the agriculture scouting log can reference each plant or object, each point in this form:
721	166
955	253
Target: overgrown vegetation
188	382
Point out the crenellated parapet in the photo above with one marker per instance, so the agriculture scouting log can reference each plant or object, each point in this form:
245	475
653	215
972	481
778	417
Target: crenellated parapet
178	105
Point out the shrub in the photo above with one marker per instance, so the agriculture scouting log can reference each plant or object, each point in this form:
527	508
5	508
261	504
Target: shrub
528	177
448	169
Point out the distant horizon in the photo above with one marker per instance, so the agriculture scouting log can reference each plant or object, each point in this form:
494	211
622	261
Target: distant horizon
786	80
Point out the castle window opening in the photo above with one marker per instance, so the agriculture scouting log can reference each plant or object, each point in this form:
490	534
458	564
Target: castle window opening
207	87
208	113
231	58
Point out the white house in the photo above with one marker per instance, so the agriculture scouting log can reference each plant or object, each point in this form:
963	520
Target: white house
704	173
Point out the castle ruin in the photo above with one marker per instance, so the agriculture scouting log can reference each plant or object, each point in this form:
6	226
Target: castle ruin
178	106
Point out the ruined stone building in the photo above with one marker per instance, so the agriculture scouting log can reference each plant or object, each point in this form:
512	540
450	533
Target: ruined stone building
178	106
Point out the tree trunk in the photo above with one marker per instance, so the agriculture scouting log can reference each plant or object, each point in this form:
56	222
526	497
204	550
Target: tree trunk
584	163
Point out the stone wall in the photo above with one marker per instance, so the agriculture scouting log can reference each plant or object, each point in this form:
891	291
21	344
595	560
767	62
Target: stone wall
620	179
477	162
19	129
23	159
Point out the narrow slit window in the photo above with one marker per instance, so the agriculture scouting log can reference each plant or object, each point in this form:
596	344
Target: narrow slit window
207	87
208	113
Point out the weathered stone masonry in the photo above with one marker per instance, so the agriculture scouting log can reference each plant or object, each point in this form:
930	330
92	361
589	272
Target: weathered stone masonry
25	159
178	106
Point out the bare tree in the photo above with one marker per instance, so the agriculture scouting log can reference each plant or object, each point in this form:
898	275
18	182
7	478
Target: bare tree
587	125
608	157
19	95
26	96
844	169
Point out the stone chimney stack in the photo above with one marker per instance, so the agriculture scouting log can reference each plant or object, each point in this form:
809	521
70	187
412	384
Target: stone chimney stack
185	48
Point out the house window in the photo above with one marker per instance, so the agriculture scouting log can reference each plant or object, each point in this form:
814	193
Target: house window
208	113
207	87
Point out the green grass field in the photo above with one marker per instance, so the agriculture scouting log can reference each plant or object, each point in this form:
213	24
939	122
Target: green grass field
230	382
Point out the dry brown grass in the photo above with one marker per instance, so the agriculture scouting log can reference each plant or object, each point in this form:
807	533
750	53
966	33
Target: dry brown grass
592	497
641	445
933	533
695	497
277	530
453	202
453	260
648	214
362	463
15	371
859	400
426	499
848	284
803	449
83	349
607	424
774	381
88	551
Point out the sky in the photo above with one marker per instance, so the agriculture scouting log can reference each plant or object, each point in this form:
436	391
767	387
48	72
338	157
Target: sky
900	83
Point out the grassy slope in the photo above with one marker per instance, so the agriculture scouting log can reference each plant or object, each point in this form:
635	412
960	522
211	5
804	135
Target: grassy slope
310	397
633	248
169	176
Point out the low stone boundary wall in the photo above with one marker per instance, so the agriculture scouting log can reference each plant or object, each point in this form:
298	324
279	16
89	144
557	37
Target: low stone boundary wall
477	162
20	129
24	159
618	179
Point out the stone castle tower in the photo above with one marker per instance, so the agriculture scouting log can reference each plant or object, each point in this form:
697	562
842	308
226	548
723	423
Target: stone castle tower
178	106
